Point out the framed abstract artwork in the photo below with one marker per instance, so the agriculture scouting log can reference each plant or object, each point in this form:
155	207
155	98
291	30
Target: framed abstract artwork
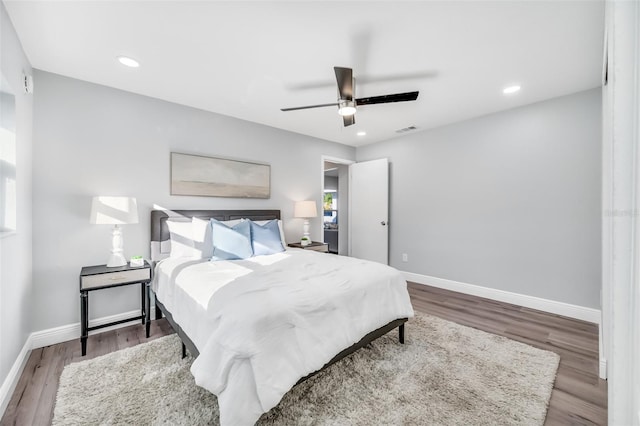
219	177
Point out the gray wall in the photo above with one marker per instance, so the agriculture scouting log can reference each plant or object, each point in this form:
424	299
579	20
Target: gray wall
93	140
15	250
509	201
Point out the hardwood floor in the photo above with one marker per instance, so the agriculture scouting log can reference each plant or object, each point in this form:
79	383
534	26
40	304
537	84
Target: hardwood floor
579	396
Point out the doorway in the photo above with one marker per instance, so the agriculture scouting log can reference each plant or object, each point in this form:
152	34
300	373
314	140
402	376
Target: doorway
335	204
355	208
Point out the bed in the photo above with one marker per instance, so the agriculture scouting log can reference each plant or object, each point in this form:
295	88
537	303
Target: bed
261	325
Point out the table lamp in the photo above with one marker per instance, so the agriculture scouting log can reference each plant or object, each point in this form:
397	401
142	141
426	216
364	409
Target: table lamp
305	210
114	211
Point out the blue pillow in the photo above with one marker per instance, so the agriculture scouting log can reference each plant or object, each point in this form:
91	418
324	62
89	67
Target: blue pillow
265	239
231	243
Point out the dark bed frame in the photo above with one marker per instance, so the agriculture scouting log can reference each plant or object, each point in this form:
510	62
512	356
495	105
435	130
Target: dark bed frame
160	233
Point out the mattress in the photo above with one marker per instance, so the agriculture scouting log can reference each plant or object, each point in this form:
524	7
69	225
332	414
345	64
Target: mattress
263	323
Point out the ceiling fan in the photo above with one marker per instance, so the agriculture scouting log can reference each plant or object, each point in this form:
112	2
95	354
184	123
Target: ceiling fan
347	103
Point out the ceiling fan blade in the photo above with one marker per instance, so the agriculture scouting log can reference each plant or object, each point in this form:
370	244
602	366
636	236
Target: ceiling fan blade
385	99
344	76
309	106
348	120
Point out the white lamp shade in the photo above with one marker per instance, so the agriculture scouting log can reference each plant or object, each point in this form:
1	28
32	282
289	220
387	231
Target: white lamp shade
305	209
114	210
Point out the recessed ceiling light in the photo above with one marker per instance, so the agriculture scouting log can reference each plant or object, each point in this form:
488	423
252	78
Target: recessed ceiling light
129	62
361	133
511	89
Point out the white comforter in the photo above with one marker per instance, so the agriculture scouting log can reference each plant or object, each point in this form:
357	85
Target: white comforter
262	324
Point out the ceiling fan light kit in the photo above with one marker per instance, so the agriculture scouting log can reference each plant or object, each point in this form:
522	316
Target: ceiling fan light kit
347	108
347	103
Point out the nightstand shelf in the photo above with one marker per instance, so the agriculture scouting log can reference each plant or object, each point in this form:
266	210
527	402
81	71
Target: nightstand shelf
100	277
315	246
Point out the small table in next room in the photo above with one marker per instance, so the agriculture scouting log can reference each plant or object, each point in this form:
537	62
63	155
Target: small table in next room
314	245
101	277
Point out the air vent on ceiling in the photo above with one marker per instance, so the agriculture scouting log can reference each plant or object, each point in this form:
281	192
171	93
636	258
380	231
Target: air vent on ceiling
406	129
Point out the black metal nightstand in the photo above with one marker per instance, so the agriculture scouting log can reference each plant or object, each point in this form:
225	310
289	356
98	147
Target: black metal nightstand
101	277
314	245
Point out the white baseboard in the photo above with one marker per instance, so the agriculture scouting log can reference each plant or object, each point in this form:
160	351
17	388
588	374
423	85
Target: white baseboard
602	371
64	333
551	306
10	382
602	368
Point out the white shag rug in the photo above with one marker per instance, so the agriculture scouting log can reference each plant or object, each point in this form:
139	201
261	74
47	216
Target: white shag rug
445	374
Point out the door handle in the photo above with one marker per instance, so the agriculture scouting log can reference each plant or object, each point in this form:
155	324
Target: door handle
383	223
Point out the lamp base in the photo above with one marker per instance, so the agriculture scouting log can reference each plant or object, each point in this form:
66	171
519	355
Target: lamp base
116	258
305	240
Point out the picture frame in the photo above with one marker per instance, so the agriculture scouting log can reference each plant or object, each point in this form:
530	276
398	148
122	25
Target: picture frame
204	176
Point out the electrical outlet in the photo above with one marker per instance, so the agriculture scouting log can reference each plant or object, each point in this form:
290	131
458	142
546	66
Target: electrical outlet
405	257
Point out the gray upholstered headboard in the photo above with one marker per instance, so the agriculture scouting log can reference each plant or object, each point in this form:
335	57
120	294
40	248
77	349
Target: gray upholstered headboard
160	241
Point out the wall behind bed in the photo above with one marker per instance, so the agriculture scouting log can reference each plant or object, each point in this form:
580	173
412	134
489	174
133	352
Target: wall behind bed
94	140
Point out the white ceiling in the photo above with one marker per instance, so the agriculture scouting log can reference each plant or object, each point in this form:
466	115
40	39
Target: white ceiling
249	59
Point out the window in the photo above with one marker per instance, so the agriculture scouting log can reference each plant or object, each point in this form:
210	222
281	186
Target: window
330	207
8	190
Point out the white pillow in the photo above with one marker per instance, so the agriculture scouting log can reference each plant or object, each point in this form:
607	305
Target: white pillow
203	236
181	234
194	238
202	239
262	222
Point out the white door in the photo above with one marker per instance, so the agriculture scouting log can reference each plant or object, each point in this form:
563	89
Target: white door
369	210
